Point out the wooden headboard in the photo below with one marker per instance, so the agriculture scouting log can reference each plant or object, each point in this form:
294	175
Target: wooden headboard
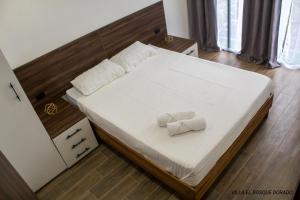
49	76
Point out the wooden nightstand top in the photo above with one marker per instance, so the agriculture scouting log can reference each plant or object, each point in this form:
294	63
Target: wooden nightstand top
178	44
66	117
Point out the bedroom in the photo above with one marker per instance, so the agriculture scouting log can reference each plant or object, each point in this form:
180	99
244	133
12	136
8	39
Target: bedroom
204	106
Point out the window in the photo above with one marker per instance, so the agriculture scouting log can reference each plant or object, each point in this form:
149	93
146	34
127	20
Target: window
289	37
229	19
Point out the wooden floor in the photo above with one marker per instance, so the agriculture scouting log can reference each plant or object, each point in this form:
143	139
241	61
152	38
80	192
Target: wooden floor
269	161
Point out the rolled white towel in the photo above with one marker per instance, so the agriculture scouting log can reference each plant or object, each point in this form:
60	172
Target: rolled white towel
163	119
182	126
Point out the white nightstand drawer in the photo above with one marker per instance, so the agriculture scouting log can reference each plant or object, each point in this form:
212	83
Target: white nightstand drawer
76	142
192	51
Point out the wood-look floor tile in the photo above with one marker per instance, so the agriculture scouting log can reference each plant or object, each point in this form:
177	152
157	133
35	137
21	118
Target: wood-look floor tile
230	173
231	59
85	167
127	185
110	165
106	150
236	165
53	189
241	183
291	87
211	194
50	192
139	175
161	193
281	79
275	135
144	189
258	136
174	197
111	180
88	196
85	184
246	65
293	110
207	55
264	151
266	71
288	177
291	142
268	176
279	106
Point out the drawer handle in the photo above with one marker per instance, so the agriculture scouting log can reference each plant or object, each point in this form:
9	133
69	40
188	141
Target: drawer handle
80	154
189	53
78	143
14	90
72	134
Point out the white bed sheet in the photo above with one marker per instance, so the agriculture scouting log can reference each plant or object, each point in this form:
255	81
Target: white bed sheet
226	97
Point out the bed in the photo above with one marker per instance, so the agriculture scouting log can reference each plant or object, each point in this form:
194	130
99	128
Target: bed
166	82
233	102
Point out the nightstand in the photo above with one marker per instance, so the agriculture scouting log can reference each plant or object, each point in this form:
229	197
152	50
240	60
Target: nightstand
181	45
70	131
76	142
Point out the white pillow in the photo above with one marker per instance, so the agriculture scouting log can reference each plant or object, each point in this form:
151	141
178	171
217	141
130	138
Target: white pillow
133	55
97	77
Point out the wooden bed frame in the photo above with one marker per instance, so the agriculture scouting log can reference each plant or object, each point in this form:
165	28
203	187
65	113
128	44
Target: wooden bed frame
46	79
182	189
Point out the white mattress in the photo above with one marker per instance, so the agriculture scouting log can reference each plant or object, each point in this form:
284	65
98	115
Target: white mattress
226	97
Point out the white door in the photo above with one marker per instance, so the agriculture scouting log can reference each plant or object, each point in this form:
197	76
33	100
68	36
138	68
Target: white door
23	139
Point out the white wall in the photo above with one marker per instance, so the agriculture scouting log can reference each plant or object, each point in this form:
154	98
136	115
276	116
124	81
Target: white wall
31	28
177	17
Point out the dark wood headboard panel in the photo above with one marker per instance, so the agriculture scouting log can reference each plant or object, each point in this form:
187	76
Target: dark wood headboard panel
147	25
48	76
51	74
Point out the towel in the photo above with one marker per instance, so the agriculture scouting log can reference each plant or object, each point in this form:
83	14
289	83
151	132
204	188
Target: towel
163	119
182	126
